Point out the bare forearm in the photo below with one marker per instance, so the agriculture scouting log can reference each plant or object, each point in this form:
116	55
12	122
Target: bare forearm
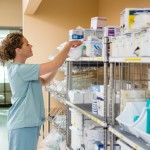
61	57
58	60
47	78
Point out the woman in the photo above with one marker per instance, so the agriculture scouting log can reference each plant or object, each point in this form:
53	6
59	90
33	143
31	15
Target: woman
26	114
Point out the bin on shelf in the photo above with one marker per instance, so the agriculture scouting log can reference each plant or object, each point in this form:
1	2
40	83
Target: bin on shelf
127	118
143	126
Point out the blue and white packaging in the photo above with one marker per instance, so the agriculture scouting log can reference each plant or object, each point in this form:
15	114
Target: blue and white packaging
94	106
100	146
94	48
75	34
100	106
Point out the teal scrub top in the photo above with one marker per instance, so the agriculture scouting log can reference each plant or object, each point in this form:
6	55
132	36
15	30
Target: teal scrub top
27	108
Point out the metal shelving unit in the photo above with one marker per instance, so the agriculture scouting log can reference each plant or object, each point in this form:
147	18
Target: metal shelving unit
133	70
86	109
130	60
59	96
130	139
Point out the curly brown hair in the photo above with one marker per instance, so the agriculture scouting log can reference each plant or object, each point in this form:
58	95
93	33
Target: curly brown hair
8	46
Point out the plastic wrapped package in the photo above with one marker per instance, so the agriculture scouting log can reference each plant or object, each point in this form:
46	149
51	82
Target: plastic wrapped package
58	49
93	47
51	142
75	52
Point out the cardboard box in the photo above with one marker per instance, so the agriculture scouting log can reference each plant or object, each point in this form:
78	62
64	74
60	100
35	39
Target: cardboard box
111	31
88	32
98	22
127	17
75	34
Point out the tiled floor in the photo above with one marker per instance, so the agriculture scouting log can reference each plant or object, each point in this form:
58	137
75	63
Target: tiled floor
3	129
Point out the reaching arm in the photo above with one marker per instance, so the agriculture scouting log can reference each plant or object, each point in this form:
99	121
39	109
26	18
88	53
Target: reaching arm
47	78
53	66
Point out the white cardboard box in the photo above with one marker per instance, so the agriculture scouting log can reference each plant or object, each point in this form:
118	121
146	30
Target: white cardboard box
98	22
127	17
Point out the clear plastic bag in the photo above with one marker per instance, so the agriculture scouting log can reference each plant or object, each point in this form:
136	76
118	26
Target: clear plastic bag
51	142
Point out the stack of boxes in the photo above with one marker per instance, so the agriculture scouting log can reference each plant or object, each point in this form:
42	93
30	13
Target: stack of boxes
93	37
133	41
81	97
127	18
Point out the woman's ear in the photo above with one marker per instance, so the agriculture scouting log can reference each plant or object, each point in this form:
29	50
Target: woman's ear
18	51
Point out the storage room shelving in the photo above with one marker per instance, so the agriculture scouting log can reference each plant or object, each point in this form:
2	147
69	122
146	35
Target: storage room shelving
54	112
106	122
86	109
132	70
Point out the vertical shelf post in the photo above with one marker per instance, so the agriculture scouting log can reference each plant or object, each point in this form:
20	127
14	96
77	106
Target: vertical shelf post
68	116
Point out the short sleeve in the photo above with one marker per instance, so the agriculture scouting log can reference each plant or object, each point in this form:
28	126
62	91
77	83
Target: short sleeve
29	72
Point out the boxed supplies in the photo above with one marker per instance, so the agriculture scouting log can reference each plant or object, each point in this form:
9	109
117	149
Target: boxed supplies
100	102
100	146
98	22
94	106
122	45
81	97
76	97
92	135
76	138
132	96
114	51
111	31
93	47
88	32
100	106
88	97
99	33
76	119
137	43
127	18
129	45
145	42
75	34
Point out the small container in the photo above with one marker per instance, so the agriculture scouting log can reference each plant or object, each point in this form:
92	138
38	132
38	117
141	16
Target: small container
75	34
